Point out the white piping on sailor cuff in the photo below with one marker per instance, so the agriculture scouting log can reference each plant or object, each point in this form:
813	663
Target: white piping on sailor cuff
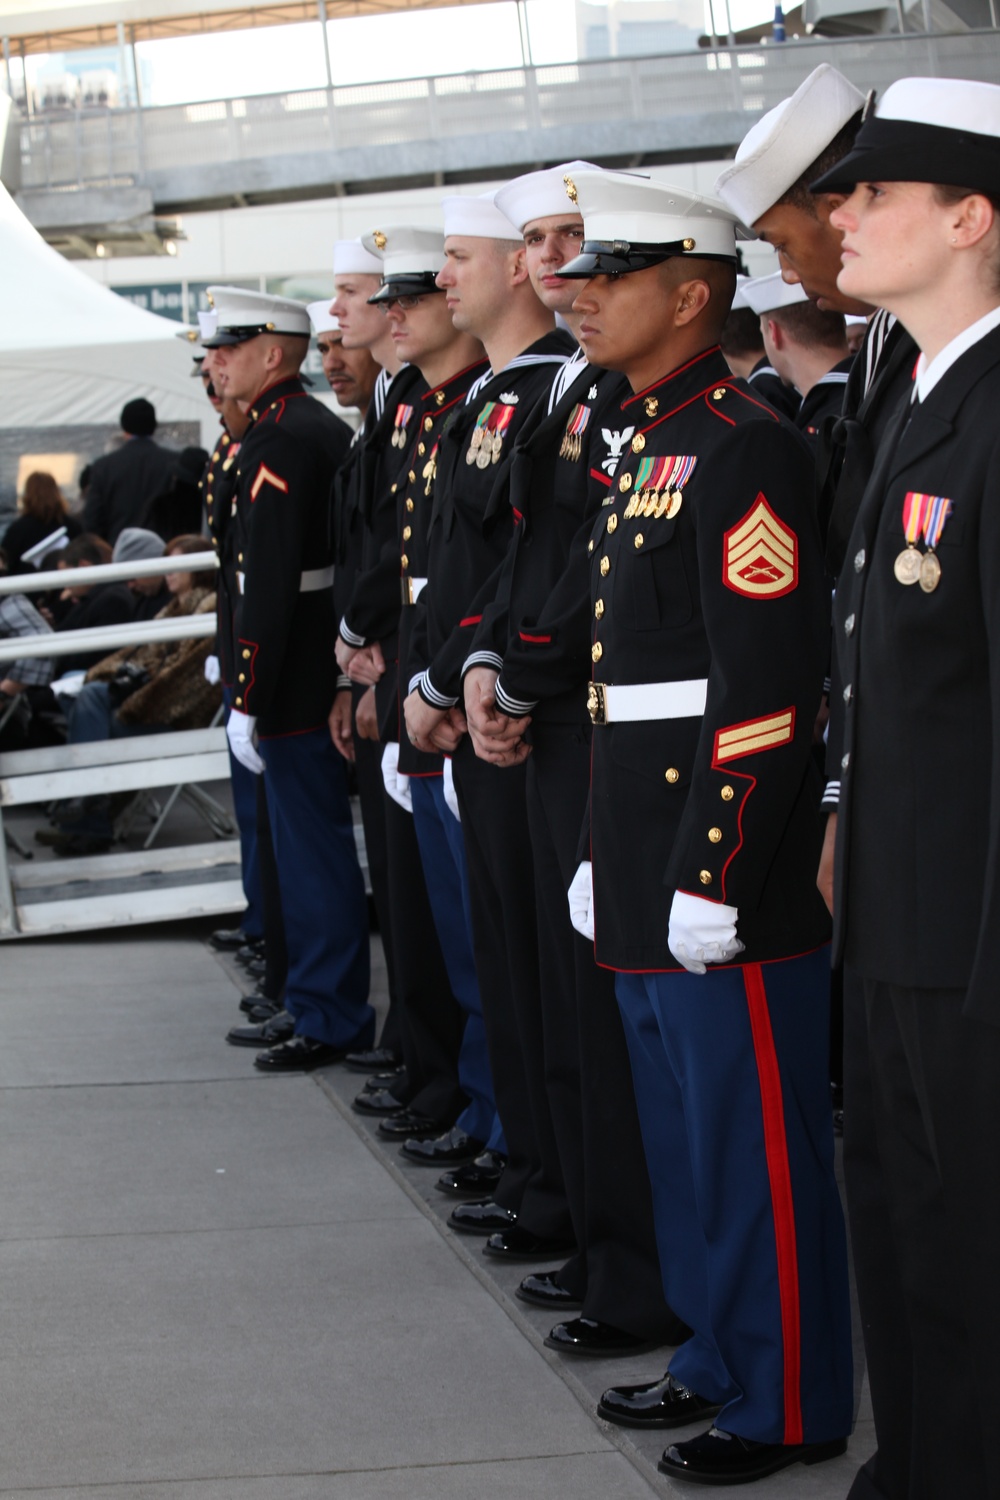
482	659
515	708
343	681
831	795
430	694
348	635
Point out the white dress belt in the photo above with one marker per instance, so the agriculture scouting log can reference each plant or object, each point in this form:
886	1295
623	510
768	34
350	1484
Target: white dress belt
613	703
310	582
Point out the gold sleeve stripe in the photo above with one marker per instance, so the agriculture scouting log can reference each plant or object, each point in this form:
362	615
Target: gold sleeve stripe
754	735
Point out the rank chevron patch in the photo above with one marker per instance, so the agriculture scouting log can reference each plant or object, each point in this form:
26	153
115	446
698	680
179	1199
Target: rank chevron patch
754	735
761	555
264	476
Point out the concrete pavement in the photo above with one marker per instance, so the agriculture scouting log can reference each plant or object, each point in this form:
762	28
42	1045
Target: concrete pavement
216	1285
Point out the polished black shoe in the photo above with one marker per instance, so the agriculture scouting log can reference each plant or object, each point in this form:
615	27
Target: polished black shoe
371	1060
481	1218
299	1055
453	1146
381	1102
408	1124
715	1457
599	1340
476	1179
265	1011
382	1080
252	948
256	968
658	1403
516	1243
542	1289
228	939
265	1034
255	998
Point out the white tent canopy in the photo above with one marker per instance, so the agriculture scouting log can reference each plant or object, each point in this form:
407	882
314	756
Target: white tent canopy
71	352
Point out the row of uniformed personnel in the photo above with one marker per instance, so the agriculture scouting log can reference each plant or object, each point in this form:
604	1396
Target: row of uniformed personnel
574	609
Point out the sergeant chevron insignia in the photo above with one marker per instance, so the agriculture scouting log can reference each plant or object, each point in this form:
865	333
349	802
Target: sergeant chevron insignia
760	555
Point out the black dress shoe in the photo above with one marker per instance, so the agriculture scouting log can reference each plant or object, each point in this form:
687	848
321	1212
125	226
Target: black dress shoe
541	1289
381	1102
407	1124
477	1178
453	1146
658	1403
300	1055
266	1034
228	939
383	1080
265	1011
599	1340
256	968
252	948
255	998
516	1243
716	1457
481	1218
371	1060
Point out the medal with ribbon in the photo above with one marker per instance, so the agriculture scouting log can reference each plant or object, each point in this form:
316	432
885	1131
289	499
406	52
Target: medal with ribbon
924	517
479	432
429	471
403	415
571	446
500	422
659	486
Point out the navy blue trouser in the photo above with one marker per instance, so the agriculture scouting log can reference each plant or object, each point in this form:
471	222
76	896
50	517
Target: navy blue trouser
244	785
730	1072
322	889
442	854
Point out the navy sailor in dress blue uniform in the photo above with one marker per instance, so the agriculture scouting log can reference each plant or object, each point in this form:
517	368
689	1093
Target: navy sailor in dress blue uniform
286	671
560	475
917	631
490	297
456	1126
710	620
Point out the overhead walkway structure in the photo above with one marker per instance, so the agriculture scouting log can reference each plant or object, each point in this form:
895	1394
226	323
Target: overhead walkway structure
93	166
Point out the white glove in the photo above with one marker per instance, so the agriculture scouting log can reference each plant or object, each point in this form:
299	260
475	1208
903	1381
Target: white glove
581	900
212	670
450	794
240	729
396	785
702	932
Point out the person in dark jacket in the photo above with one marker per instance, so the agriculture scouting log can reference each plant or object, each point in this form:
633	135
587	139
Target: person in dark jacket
176	510
43	512
122	483
90	606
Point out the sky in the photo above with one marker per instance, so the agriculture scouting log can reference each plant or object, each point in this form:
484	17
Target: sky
278	59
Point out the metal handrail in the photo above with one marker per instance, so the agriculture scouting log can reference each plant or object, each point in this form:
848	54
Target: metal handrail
147	567
107	638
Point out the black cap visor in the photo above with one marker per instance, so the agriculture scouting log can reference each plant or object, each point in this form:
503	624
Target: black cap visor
619	257
419	284
226	338
908	151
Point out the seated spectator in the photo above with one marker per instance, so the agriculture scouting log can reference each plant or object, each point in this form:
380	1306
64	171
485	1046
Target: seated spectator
25	679
43	511
141	690
177	509
149	595
122	483
88	607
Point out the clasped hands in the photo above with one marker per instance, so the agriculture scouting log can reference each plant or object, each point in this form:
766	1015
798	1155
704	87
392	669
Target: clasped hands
496	737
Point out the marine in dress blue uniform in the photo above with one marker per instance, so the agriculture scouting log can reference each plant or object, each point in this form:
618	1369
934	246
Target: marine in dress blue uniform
709	643
286	673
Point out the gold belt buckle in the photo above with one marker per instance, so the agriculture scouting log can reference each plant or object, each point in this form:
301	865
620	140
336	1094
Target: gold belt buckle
597	703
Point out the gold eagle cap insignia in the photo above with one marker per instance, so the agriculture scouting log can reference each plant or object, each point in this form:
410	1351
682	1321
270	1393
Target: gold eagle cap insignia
571	193
380	240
